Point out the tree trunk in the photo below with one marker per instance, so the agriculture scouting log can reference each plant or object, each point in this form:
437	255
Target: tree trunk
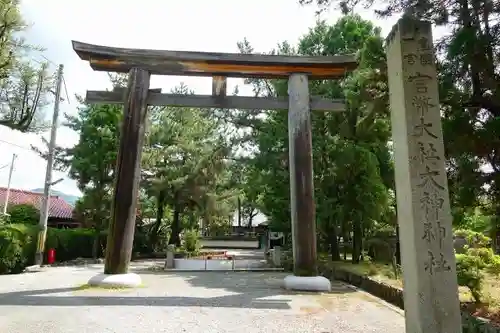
97	228
160	211
96	245
206	226
192	221
357	231
397	253
175	237
362	245
239	212
250	218
334	245
100	213
345	239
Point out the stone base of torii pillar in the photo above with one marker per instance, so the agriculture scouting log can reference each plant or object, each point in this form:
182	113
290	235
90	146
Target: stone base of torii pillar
307	283
127	280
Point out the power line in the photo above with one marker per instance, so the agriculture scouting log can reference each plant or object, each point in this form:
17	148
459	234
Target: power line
18	146
44	57
63	79
65	89
67	98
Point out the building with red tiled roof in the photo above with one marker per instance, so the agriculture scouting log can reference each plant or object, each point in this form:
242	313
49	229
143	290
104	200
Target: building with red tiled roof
59	210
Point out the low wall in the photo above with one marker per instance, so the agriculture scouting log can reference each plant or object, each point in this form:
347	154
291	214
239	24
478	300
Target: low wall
393	295
215	264
229	244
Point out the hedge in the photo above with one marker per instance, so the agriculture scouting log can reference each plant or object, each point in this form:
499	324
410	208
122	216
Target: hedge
231	238
18	245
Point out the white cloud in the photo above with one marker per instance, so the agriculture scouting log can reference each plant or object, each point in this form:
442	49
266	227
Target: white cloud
193	25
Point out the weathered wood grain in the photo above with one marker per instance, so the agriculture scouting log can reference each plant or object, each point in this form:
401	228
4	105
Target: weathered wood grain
301	177
208	101
219	86
123	91
161	62
128	167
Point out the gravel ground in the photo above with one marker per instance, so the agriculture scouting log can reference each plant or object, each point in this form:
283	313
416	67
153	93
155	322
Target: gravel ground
53	301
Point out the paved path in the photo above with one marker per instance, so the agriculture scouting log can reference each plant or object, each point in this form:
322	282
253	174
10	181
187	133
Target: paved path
195	302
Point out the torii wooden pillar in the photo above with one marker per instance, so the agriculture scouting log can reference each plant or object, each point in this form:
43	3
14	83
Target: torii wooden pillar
140	64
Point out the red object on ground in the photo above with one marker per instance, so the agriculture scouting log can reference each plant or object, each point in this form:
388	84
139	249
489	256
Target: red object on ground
51	256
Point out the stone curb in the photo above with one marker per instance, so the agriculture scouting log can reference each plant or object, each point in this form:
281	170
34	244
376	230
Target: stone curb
381	300
394	296
226	271
35	269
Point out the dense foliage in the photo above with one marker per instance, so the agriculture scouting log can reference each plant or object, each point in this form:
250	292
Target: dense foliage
24	81
469	63
23	213
201	166
18	245
352	165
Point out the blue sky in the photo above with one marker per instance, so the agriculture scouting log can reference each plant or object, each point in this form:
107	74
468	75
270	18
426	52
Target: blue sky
190	25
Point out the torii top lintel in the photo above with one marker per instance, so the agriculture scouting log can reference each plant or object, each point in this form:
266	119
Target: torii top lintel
186	63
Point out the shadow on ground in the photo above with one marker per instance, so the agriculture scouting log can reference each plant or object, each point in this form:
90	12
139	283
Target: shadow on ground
249	286
266	283
47	297
253	290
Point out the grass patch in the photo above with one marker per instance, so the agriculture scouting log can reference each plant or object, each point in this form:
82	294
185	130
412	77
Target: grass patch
156	268
377	271
384	273
87	286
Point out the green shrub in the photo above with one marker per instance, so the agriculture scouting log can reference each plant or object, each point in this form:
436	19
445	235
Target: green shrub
380	249
474	239
18	244
142	243
4	219
475	262
12	259
24	213
470	274
26	235
191	242
70	243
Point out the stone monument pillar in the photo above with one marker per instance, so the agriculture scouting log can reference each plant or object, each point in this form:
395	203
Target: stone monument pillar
170	259
424	217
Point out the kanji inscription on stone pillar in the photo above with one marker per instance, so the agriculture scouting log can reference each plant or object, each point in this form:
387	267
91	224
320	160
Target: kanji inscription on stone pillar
424	217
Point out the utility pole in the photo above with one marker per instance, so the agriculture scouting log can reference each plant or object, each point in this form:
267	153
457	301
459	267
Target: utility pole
7	194
44	209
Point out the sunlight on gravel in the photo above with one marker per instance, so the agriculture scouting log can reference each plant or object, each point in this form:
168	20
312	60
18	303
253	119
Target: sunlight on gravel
56	301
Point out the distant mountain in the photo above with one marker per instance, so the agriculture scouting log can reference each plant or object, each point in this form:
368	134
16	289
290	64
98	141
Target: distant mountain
71	199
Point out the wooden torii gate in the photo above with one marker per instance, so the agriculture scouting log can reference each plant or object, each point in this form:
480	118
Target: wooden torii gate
424	216
141	64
